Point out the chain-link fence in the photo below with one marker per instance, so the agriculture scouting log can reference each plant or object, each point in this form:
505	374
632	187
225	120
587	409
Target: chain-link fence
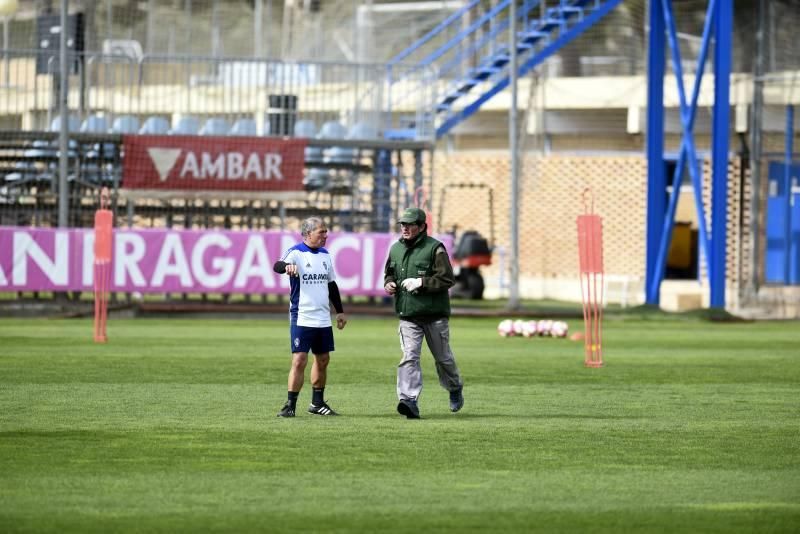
210	66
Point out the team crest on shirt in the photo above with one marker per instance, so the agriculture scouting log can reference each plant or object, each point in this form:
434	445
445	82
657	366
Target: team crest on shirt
297	342
325	265
308	265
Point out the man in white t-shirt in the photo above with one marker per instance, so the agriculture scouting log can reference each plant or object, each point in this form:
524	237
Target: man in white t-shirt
312	289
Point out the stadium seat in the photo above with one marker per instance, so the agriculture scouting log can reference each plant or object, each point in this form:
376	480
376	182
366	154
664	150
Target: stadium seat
316	179
41	147
332	130
91	167
244	127
38	165
125	124
186	125
215	126
155	126
336	154
340	154
94	124
362	130
73	124
307	129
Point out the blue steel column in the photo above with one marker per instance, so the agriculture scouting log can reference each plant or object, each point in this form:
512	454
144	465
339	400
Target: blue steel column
688	154
787	184
381	194
721	139
656	184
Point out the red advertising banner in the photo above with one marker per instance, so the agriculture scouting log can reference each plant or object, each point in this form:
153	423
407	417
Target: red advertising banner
216	163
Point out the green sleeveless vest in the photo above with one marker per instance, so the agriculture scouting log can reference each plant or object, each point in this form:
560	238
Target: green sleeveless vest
416	262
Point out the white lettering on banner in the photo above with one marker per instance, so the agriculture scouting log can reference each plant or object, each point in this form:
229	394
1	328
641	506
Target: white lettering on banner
254	262
155	260
190	166
342	243
235	166
232	166
212	168
56	269
88	259
163	160
172	262
272	166
224	266
253	166
126	262
367	263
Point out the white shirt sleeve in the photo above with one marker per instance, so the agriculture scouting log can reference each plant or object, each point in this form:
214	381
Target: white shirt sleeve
331	273
291	256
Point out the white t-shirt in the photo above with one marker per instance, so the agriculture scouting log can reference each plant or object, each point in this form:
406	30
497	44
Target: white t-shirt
309	303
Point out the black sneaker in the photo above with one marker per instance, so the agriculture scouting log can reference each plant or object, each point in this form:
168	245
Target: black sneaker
286	411
408	408
456	400
322	409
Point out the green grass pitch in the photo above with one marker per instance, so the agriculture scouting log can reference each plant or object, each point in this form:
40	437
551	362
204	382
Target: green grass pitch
691	426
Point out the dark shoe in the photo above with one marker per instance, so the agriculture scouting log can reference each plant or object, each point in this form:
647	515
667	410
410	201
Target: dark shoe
322	409
286	411
408	408
456	400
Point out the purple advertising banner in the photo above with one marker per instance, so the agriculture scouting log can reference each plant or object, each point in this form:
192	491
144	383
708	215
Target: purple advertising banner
182	261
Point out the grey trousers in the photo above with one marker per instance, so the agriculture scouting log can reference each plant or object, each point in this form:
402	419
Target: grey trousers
409	370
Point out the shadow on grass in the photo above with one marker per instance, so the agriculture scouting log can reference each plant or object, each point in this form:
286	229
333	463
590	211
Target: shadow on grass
483	416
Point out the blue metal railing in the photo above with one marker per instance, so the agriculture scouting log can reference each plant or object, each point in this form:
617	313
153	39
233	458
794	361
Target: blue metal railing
473	64
442	26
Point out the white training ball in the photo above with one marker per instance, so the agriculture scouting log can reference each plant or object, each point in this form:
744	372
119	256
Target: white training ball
559	329
529	328
543	327
506	328
519	325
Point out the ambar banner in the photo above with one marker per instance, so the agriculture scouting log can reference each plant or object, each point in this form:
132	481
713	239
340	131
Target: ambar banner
215	163
161	260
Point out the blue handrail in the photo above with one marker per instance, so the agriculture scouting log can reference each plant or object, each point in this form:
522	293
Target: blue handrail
585	22
501	27
459	37
433	33
476	59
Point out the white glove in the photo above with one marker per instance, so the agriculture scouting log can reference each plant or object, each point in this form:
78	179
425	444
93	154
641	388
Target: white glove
412	284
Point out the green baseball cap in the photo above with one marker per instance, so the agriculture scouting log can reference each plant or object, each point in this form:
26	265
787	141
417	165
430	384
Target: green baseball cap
412	215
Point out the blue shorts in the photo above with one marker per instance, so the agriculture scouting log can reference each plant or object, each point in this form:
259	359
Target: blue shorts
310	339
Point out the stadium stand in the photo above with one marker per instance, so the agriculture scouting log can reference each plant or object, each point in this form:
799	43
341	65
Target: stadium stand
215	126
155	126
379	109
125	124
308	129
94	124
186	125
244	127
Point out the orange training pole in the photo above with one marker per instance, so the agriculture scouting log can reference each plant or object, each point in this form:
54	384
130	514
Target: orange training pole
590	250
103	238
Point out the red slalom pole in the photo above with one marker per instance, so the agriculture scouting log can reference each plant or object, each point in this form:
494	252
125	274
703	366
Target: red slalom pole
590	251
103	238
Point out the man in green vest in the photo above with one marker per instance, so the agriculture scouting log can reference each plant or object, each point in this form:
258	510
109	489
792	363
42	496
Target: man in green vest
418	273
